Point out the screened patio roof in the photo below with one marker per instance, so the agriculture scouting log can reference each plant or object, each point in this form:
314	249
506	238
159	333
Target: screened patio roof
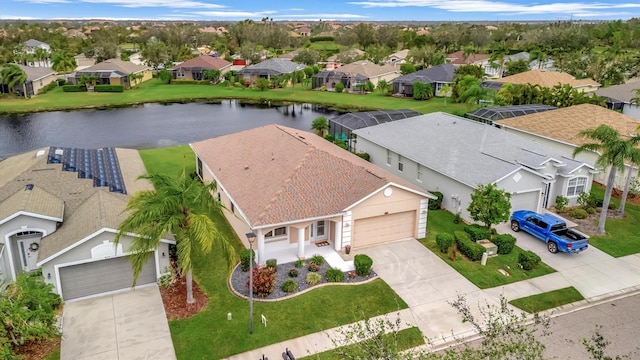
491	114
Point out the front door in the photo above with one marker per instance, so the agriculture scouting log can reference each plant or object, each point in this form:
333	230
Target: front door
318	231
28	253
545	196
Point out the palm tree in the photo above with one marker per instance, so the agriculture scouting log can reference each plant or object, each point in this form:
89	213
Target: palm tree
383	86
320	125
12	75
613	152
634	159
41	56
63	62
636	99
499	53
444	90
178	206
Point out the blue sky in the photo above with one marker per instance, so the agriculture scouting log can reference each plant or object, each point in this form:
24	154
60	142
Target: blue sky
313	10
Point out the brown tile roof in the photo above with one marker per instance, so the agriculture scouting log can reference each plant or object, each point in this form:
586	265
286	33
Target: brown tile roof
126	67
204	61
457	58
276	174
565	124
368	69
547	79
35	201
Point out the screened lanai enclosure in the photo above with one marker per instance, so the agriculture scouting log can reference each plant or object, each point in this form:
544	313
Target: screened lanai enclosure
490	114
341	126
329	79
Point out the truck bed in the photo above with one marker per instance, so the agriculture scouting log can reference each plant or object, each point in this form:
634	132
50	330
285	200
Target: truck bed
569	235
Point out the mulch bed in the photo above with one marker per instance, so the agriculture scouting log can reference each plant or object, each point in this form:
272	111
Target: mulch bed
174	298
37	350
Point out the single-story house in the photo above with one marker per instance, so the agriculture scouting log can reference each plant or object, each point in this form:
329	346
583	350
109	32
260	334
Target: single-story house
194	69
437	76
620	97
399	57
37	78
452	155
457	59
546	79
342	126
59	211
354	74
268	68
333	61
83	62
560	129
295	190
490	114
113	72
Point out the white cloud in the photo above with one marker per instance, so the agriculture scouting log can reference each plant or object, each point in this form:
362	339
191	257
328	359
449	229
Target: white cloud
236	14
16	17
295	9
315	17
45	1
157	3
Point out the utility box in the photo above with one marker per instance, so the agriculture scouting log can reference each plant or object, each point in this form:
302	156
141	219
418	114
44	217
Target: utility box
492	249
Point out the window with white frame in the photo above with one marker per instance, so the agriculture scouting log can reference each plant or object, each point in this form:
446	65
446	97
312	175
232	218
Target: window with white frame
419	176
400	163
576	186
388	157
277	232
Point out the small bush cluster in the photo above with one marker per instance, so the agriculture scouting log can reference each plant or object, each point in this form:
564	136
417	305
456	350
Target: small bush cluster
48	87
272	263
288	286
436	204
61	82
264	281
477	232
108	88
528	260
444	242
244	259
293	273
299	263
505	243
317	259
339	88
363	264
74	88
364	155
561	203
313	278
334	275
588	200
469	248
313	267
579	213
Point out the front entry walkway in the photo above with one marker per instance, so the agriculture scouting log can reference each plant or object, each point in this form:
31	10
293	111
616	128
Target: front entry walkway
123	326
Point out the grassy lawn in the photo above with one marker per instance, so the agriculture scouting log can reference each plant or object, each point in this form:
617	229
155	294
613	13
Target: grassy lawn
208	335
154	91
549	300
623	237
54	355
407	339
482	276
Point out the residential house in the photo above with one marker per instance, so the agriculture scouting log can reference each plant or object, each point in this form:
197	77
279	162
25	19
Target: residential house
113	72
304	31
437	76
546	79
560	129
290	55
452	155
620	97
296	191
490	114
137	59
37	78
59	212
30	46
492	68
194	69
333	61
458	58
341	127
268	68
83	62
399	57
354	74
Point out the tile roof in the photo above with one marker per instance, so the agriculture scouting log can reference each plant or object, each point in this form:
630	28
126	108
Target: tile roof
368	69
457	58
32	200
204	61
125	67
276	174
546	79
35	73
565	124
402	54
624	92
467	151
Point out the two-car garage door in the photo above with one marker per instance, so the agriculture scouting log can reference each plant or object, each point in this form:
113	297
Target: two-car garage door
102	276
384	228
525	201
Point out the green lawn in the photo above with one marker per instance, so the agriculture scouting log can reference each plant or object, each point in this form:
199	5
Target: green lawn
154	91
208	335
549	300
406	339
482	276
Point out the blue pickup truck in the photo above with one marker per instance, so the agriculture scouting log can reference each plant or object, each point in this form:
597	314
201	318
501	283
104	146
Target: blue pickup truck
550	229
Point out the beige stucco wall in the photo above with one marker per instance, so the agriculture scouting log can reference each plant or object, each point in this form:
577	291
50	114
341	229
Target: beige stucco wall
115	81
39	84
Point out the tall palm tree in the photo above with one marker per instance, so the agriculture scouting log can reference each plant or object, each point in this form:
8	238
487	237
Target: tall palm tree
12	75
320	125
499	53
613	152
63	62
634	159
41	56
179	206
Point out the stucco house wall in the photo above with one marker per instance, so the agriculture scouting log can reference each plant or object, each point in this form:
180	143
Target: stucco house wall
631	110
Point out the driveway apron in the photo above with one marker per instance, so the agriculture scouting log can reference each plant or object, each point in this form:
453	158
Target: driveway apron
122	326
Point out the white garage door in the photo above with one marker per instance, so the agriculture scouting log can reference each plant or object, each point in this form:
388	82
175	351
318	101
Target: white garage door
379	229
103	276
525	201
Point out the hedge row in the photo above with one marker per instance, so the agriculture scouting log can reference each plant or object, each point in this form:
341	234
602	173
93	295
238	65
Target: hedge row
321	38
477	232
505	243
467	247
108	88
74	88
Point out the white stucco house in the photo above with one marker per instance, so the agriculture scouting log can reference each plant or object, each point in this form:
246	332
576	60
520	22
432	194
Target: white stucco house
452	155
59	212
296	191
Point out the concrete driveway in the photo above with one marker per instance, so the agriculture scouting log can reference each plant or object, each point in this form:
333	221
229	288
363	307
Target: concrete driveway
123	326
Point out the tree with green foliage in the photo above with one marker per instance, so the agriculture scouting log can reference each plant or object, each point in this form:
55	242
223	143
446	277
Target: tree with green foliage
308	57
262	84
12	75
422	91
445	92
383	86
365	34
407	68
634	162
516	67
180	206
489	205
320	125
165	76
63	62
469	90
135	79
212	75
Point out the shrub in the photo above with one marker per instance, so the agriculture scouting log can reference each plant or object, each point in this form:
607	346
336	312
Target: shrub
165	76
314	267
45	89
334	275
244	259
323	88
293	273
339	87
238	84
457	219
264	281
587	200
444	242
561	202
329	137
579	213
478	232
470	249
288	286
591	211
272	263
61	82
321	38
364	155
436	204
317	259
299	263
505	243
108	88
190	82
362	264
74	88
528	260
313	278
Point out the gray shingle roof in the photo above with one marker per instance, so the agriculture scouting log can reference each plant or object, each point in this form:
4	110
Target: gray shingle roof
34	43
624	92
465	150
272	67
440	73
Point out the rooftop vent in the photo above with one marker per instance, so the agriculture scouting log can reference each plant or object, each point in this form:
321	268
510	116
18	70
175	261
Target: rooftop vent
59	152
40	153
28	187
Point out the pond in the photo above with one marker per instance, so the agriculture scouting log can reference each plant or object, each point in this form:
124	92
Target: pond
146	126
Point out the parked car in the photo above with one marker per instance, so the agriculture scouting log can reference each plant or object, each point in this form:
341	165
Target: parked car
550	229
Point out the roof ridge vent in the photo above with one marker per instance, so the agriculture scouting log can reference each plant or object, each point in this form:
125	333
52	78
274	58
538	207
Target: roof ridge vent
28	187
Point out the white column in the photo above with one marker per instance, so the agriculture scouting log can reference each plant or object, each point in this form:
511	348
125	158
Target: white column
260	254
301	243
337	237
